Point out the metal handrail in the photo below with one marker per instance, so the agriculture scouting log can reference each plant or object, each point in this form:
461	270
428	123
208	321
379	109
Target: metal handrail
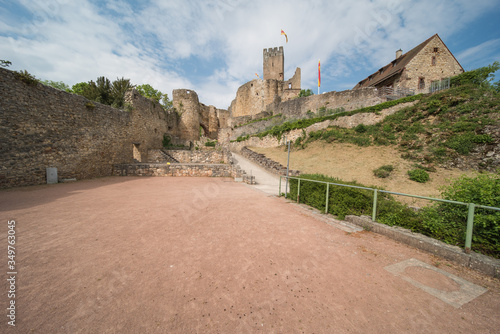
470	213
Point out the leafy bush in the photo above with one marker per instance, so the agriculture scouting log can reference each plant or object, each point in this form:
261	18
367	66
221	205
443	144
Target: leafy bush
443	221
383	171
361	128
352	201
305	92
342	200
418	175
448	222
211	143
167	141
26	77
478	77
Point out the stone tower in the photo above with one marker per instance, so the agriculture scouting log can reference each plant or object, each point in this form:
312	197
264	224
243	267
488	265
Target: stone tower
274	63
187	105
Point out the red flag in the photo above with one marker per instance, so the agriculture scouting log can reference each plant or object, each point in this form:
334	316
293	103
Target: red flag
283	33
319	73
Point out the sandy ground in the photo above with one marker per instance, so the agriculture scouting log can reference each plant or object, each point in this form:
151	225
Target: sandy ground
206	255
354	163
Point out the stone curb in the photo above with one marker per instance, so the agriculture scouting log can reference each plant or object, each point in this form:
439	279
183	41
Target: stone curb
479	262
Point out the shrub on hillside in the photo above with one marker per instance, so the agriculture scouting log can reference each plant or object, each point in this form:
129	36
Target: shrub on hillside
383	171
448	222
479	77
418	175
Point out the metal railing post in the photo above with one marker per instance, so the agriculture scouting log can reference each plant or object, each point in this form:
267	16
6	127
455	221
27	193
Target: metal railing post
374	211
470	224
298	192
327	196
279	191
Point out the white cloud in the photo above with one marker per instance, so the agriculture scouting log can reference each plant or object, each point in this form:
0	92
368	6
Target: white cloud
152	43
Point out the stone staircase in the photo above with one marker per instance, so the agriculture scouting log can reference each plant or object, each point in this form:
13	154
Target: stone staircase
268	164
160	156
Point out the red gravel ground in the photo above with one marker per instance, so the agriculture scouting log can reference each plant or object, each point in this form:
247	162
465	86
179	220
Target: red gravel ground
207	255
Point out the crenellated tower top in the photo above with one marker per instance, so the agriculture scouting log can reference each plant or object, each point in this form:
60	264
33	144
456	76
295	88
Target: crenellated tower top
274	63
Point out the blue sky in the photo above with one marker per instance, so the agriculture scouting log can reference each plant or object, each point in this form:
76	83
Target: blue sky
215	46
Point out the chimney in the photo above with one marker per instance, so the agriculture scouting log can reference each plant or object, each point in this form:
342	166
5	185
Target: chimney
399	53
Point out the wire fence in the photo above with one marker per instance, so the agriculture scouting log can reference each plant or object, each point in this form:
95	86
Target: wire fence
470	212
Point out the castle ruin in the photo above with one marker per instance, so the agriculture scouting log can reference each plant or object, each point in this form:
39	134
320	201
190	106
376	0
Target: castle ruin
253	97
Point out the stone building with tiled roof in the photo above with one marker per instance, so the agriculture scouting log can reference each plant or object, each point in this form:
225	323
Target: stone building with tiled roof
415	70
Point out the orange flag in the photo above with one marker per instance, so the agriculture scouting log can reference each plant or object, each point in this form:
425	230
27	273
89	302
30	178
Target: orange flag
283	33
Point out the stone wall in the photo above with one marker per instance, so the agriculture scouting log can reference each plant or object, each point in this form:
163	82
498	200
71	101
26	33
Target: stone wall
268	164
192	115
368	118
253	97
208	156
45	127
348	100
254	127
298	108
188	107
174	169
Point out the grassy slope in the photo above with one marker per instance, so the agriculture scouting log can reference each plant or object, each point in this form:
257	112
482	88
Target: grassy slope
439	129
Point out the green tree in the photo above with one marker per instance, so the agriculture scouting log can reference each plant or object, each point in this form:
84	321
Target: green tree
305	92
79	88
148	91
57	84
118	89
5	63
479	77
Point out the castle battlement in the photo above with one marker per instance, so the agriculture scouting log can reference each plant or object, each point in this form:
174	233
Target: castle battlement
273	52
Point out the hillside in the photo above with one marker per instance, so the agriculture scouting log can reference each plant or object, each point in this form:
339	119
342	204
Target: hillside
350	162
448	133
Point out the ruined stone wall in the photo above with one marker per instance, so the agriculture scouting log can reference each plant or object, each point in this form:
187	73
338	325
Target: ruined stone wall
46	127
148	123
175	169
223	116
192	115
421	66
348	99
368	118
211	156
188	107
249	99
295	81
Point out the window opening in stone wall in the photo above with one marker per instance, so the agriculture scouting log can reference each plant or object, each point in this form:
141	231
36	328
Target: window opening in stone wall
289	86
436	49
136	153
433	61
421	83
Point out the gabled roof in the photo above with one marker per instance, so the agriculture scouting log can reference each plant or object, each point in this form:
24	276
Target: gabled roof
395	67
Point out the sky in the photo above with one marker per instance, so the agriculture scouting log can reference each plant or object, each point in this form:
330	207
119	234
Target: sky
215	46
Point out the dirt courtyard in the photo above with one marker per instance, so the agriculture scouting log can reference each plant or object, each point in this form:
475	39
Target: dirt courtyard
208	255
